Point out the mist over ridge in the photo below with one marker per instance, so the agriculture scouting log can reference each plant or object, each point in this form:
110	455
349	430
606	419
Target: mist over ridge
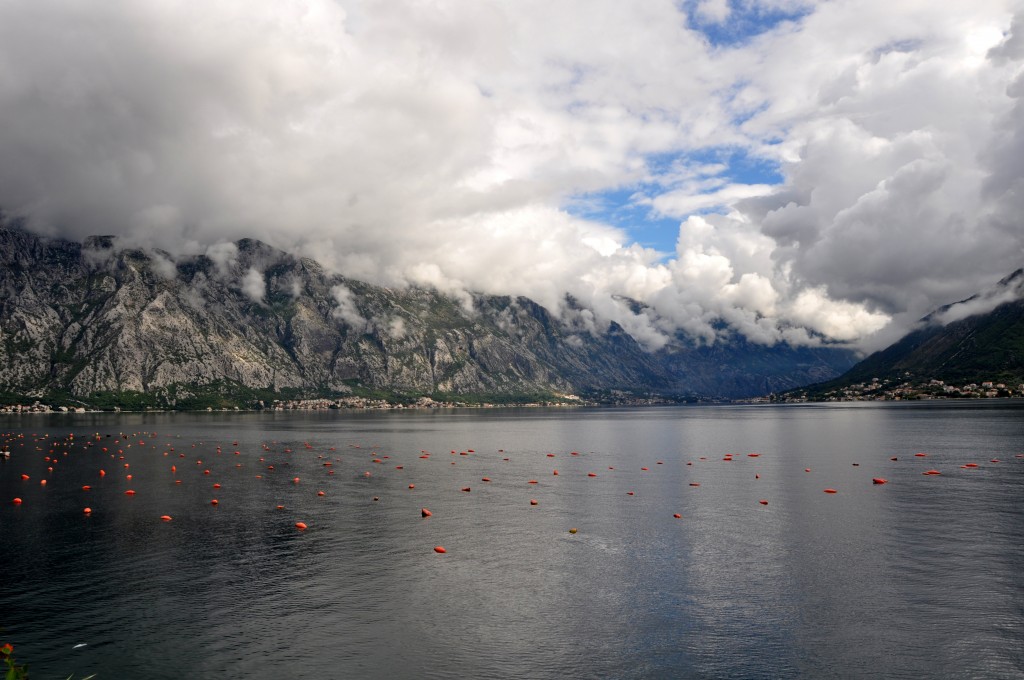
96	324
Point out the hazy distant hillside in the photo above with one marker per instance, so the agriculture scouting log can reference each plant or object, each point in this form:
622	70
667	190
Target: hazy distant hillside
101	325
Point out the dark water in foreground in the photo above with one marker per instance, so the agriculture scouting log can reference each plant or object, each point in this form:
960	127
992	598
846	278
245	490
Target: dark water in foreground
922	577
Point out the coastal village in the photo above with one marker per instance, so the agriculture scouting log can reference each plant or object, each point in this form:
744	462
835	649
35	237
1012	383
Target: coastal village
877	389
323	404
904	389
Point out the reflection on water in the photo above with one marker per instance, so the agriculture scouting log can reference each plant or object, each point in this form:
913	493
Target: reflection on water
916	578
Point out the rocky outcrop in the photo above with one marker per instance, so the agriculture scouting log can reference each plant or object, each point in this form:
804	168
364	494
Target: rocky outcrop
81	319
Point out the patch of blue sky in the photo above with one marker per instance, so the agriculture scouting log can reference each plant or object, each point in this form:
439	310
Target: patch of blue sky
623	208
705	170
747	19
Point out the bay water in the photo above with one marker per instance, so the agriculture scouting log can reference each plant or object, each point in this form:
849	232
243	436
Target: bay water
920	577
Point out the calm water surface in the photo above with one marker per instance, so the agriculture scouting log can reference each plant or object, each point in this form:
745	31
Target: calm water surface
922	577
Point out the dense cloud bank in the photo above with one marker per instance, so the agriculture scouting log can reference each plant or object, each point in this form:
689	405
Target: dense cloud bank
451	144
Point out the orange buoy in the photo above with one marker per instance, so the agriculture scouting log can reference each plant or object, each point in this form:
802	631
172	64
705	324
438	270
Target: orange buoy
533	501
412	486
280	507
879	480
532	481
301	526
102	472
893	458
694	483
466	489
439	549
931	472
629	493
426	513
320	493
42	482
757	476
591	474
166	518
807	469
644	469
295	481
214	502
16	501
24	477
128	477
216	486
830	491
763	502
753	455
920	455
129	492
87	511
485	479
86	487
573	530
554	473
677	516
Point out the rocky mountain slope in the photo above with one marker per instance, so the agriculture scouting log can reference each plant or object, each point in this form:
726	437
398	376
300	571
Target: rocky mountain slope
99	324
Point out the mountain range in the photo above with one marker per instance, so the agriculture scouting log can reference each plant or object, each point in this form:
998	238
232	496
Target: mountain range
101	325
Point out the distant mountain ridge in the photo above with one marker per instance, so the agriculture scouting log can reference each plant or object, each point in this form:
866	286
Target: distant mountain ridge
98	324
979	339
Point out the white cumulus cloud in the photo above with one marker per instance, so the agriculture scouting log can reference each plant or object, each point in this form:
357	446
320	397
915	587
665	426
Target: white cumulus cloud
450	144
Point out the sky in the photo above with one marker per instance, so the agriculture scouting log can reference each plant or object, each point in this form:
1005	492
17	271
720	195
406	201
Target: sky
777	170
